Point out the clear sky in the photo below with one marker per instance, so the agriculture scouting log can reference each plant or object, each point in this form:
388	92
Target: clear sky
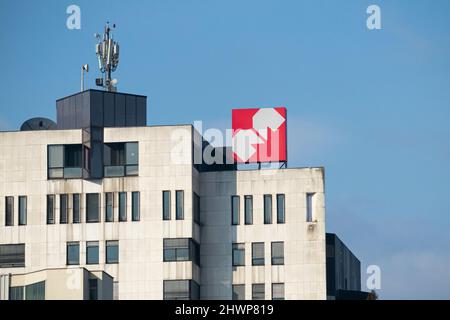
372	107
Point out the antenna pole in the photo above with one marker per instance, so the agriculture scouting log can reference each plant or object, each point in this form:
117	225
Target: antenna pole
108	57
82	79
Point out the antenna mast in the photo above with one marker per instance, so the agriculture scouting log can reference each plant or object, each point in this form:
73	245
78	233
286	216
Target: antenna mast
107	51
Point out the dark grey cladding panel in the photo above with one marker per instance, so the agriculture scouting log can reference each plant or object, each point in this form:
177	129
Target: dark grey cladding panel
96	109
120	110
101	109
130	113
109	109
141	111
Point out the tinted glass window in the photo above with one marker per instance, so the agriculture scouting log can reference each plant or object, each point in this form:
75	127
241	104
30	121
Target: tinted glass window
76	208
9	211
50	209
248	210
73	253
92	207
22	210
92	252
109	206
258	253
166	205
135	206
112	251
235	209
63	209
267	208
238	292
122	206
179	205
281	215
238	254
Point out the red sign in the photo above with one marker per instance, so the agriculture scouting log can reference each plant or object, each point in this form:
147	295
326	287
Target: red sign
259	135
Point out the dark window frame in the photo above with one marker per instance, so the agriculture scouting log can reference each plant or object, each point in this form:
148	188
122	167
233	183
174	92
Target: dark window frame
241	248
179	209
196	207
235	216
109	216
16	257
248	209
268	212
63	209
258	261
90	219
276	260
109	244
72	244
128	169
166	210
235	295
92	244
76	208
278	284
23	210
135	207
191	247
64	166
259	291
281	209
9	211
123	206
51	198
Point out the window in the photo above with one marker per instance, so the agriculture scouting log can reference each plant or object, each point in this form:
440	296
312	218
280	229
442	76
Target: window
258	292
121	159
93	289
248	210
135	206
12	255
179	205
92	207
182	249
64	161
281	215
238	292
76	218
258	254
181	290
35	291
309	207
267	209
50	209
109	207
16	293
122	206
92	252
277	291
196	207
235	209
277	253
166	205
238	254
22	210
63	209
73	253
9	211
112	251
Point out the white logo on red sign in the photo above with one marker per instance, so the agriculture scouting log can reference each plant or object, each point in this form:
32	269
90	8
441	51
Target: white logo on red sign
259	135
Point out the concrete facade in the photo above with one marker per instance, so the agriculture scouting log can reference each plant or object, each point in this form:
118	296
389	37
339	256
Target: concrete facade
141	270
166	163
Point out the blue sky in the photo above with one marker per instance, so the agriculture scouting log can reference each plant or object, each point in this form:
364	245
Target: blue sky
373	107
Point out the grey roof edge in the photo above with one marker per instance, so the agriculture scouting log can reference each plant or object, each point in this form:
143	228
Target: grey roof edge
96	90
